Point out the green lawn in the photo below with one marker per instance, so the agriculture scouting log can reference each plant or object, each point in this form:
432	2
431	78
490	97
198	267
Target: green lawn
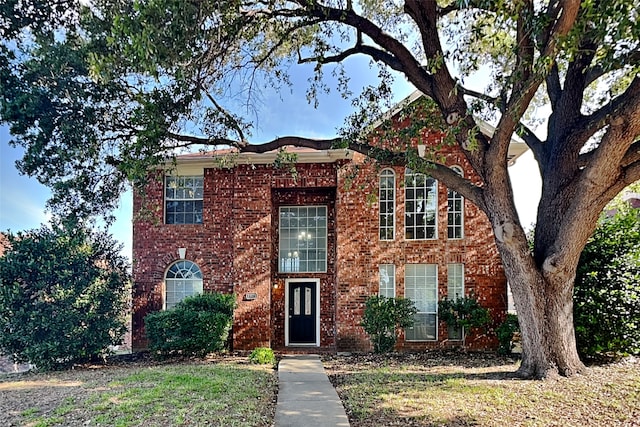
480	391
229	392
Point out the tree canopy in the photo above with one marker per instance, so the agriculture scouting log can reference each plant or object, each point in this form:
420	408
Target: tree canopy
99	94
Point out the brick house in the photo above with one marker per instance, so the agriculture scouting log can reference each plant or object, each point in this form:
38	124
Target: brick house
303	251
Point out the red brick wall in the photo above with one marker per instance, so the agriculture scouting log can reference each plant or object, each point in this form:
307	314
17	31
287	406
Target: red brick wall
236	248
360	252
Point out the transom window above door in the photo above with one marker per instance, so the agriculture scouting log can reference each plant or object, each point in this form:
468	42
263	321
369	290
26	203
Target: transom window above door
303	239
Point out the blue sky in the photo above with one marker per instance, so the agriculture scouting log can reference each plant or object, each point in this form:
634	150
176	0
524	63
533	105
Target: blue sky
22	199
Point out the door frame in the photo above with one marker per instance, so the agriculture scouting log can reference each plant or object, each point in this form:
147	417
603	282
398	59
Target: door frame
287	282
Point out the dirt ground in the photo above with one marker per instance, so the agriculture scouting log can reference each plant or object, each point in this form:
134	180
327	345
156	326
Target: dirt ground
592	401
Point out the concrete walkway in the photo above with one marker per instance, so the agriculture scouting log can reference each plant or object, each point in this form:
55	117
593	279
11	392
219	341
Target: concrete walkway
305	396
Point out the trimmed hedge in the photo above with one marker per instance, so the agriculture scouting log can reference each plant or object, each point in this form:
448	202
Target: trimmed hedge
196	326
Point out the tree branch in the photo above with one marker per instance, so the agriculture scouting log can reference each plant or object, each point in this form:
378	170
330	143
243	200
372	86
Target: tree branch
479	95
597	71
409	65
616	109
554	88
230	119
376	54
530	138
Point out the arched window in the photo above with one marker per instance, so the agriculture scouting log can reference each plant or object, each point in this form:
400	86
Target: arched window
455	211
387	204
182	280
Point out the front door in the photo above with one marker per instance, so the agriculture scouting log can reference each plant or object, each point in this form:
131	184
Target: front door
302	312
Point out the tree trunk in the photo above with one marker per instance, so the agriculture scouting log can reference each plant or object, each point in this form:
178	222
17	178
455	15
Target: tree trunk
545	311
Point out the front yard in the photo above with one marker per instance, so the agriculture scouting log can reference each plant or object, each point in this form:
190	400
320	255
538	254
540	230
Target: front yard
219	392
419	389
453	389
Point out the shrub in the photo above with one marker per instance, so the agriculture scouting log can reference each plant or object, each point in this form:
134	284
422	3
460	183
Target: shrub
505	334
262	356
463	313
196	326
607	289
382	319
62	296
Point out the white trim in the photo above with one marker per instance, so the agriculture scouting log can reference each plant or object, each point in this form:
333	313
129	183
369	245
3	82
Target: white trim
286	312
187	164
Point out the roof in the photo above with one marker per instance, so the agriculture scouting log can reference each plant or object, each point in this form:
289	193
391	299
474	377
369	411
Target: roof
304	155
516	148
229	157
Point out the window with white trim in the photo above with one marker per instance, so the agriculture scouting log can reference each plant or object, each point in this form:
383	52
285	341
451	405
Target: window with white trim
183	279
421	287
455	211
387	280
387	204
455	290
183	199
421	203
302	239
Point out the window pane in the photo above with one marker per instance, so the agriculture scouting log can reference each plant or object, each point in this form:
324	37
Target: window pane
183	279
421	287
455	212
183	200
387	280
302	239
386	204
455	281
420	206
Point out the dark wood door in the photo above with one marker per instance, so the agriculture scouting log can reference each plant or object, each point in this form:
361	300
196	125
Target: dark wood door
302	313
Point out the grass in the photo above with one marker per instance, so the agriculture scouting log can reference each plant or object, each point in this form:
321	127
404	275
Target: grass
390	392
225	393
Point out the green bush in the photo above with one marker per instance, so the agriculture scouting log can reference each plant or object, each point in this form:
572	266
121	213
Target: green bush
505	334
62	296
382	319
607	289
463	313
262	356
196	326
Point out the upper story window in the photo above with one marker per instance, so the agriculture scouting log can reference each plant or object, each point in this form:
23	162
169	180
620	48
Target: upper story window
183	199
421	202
387	204
455	211
303	239
183	279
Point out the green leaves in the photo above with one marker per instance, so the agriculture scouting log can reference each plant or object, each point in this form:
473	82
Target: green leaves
463	313
62	298
383	317
197	325
607	289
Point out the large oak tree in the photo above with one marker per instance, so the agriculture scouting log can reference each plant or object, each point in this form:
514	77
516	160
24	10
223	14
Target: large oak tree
97	95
